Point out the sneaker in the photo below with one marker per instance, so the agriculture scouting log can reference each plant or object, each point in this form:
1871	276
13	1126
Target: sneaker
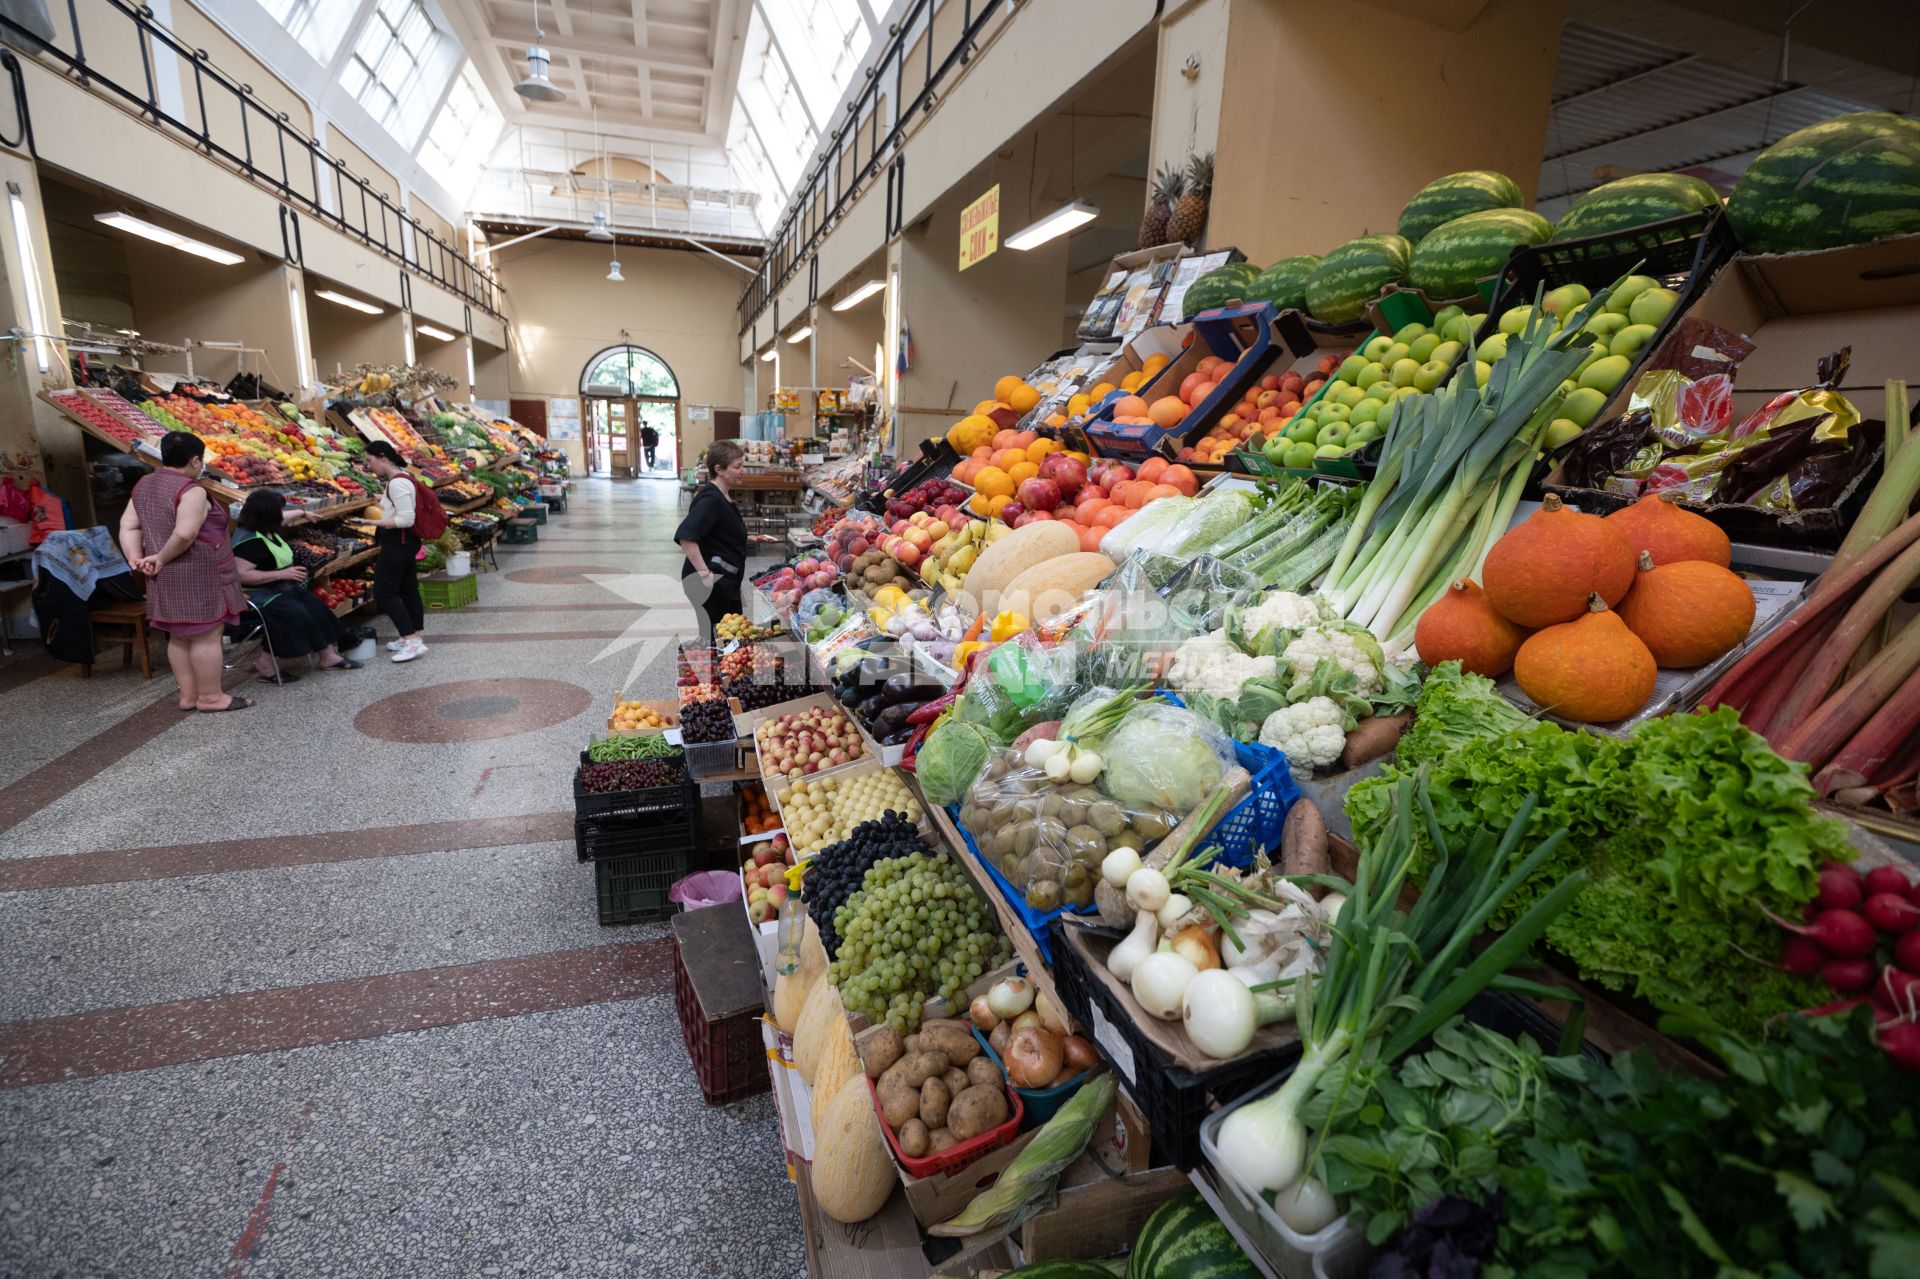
408	651
392	644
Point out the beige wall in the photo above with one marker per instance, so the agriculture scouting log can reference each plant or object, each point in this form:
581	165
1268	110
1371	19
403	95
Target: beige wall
679	305
34	438
359	163
1339	152
343	338
449	358
177	296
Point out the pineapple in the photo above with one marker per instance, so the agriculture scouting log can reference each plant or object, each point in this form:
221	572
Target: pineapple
1167	186
1190	210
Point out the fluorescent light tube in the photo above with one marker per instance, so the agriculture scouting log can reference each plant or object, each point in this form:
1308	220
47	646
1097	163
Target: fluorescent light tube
172	239
1057	223
341	299
434	332
801	334
769	354
859	295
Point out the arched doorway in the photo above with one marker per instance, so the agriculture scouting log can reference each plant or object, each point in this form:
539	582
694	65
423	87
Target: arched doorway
625	389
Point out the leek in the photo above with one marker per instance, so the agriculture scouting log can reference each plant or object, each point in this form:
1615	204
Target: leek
1393	976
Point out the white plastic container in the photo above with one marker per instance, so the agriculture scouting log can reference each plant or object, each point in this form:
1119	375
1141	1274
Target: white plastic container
459	564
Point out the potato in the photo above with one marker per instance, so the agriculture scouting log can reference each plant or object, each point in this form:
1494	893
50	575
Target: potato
899	1100
881	1050
913	1139
978	1109
934	1100
911	1045
951	1037
981	1070
939	1139
924	1065
956	1080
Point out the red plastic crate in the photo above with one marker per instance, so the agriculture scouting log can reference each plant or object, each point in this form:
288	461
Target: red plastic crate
953	1158
728	1057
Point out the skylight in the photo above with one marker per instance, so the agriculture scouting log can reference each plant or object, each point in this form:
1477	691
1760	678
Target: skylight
392	70
777	120
317	24
462	136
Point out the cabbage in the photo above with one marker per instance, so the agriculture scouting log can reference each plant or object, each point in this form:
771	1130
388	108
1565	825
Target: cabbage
951	757
1162	757
1144	529
1207	522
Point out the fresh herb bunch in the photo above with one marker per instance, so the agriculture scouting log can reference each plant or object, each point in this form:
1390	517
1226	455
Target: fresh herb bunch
629	774
648	746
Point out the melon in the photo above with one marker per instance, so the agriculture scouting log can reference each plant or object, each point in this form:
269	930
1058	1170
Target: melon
1846	180
790	990
1354	274
1448	262
838	1061
1632	202
1218	287
1284	283
852	1172
1183	1239
1454	196
810	1031
1011	556
1053	586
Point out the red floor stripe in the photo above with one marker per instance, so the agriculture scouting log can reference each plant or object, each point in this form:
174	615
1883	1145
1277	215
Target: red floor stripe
83	763
117	1040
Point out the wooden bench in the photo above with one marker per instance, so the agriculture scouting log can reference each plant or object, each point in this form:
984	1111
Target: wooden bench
132	616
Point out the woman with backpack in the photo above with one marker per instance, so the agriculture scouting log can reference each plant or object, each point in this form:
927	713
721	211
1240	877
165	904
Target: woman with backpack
410	515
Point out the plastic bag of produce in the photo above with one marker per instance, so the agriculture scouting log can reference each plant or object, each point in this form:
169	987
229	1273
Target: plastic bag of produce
1207	521
1128	633
1145	529
951	757
1164	757
1048	836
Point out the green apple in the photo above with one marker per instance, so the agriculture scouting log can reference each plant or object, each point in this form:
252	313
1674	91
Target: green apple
1583	405
1516	319
1333	433
1460	328
1409	332
1592	355
1369	375
1396	353
1566	299
1363	435
1447	353
1349	395
1561	430
1404	371
1429	375
1423	347
1627	290
1447	313
1481	372
1351	368
1382	391
1302	429
1365	411
1494	348
1299	457
1652	306
1275	450
1376	348
1604	324
1326	451
1604	375
1402	392
1335	413
1629	340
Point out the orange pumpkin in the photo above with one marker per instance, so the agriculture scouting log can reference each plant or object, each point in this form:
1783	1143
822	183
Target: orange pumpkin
1688	612
1658	525
1461	626
1541	572
1592	670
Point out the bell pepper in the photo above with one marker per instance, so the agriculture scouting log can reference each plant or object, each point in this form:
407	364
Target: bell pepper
1007	625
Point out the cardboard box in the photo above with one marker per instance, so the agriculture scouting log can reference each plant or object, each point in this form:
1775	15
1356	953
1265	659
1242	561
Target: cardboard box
1796	308
668	707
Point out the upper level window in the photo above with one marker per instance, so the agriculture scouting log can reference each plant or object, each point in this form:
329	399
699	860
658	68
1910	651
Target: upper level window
391	70
628	370
462	136
317	24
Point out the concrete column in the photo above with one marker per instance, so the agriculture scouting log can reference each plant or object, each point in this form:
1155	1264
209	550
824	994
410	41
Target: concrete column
35	440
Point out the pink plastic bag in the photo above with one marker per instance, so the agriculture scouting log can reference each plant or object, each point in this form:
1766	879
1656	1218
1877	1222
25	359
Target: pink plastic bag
706	888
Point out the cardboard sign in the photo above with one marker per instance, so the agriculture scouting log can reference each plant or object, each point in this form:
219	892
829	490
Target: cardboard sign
980	228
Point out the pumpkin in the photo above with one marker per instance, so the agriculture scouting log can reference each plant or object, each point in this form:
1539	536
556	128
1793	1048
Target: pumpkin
1461	626
1008	558
1053	586
838	1060
852	1172
1592	670
1541	571
810	1032
1688	612
1659	525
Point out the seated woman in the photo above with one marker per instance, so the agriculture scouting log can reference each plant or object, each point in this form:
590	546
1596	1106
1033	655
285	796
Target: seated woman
297	622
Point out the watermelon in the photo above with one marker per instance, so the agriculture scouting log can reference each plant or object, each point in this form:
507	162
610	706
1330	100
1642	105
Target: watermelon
1632	202
1184	1240
1846	180
1061	1270
1284	283
1353	275
1456	195
1447	262
1218	287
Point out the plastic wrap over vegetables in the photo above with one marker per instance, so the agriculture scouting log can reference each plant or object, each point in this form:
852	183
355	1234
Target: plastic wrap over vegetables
1018	685
1146	529
1164	757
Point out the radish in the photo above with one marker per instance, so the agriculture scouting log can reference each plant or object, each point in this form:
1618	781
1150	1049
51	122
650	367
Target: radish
1901	1042
1887	879
1840	886
1913	893
1906	951
1843	934
1902	989
1802	957
1891	913
1847	976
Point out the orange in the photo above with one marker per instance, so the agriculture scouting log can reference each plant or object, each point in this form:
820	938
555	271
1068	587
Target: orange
1005	458
1167	410
1154	363
1003	439
1038	450
982	454
997	505
1023	398
1056	419
993	482
1023	471
1003	389
1078	404
1132	381
1100	391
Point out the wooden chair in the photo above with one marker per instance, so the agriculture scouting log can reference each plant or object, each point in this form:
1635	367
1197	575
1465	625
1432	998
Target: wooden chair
132	616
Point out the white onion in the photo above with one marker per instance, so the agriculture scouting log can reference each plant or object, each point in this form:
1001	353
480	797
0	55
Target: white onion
1118	865
1127	956
1178	904
1160	981
1307	1206
1009	998
1147	889
1218	1012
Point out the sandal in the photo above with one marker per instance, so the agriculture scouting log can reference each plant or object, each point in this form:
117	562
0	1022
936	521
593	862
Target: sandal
233	704
344	664
284	677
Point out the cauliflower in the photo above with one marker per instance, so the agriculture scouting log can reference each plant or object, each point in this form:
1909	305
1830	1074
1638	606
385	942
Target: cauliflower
1211	664
1283	609
1310	733
1346	649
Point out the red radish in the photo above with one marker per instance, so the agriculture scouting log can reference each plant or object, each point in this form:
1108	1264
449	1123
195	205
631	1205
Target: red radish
1809	911
1802	957
1847	976
1913	893
1903	989
1891	913
1839	887
1843	934
1836	1007
1906	951
1887	879
1901	1042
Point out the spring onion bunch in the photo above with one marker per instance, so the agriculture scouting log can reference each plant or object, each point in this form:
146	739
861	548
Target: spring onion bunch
1393	976
1452	467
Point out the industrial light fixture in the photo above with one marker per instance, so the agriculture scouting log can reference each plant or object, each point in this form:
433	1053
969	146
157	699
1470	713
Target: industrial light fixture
859	295
433	331
1057	223
769	354
537	87
354	304
600	231
801	334
473	383
30	260
173	240
407	347
613	273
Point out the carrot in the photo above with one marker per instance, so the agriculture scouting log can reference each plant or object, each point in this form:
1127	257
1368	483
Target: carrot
973	631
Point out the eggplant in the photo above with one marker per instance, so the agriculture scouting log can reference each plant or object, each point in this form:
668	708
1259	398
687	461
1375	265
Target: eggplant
898	688
892	719
870	708
873	673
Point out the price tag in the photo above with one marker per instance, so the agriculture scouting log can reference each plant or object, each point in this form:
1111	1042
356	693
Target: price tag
1118	1051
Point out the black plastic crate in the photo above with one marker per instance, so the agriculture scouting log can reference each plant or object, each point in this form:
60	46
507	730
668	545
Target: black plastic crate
633	890
1174	1100
625	837
655	802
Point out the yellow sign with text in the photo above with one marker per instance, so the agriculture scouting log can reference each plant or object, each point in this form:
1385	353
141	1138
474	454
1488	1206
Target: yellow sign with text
980	228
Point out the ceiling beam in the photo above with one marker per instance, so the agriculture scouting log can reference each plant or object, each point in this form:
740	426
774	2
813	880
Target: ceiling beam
658	57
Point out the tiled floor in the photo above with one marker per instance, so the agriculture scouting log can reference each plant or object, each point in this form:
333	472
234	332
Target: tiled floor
318	989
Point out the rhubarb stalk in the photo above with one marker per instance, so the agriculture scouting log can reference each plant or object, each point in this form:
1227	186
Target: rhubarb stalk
1860	622
1761	706
1860	698
1879	739
1892	497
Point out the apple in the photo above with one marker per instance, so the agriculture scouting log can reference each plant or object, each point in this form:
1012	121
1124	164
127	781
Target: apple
1604	324
1621	300
1329	451
1350	367
1481	372
1447	352
1332	433
1560	431
918	539
1376	348
1447	313
1382	391
1494	348
1652	306
1583	405
1335	412
1460	328
1404	371
1291	381
1396	353
1409	333
1566	299
1299	457
1605	374
906	553
1370	375
1515	319
1429	375
1423	347
1629	340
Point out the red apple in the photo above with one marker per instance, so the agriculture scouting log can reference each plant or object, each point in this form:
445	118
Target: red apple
907	553
1270	382
1038	494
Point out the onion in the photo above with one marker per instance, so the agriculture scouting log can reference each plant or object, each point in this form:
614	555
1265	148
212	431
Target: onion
1058	767
1078	1054
1040	750
1306	1206
1025	1019
1194	945
1085	767
1117	865
1139	944
1147	890
1052	1015
1010	998
1033	1057
1160	981
983	1015
1174	911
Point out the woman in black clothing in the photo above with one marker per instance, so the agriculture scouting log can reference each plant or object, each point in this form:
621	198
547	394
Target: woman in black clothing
714	538
297	622
396	565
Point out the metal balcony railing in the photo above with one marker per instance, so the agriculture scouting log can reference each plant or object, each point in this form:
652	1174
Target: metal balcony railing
225	120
